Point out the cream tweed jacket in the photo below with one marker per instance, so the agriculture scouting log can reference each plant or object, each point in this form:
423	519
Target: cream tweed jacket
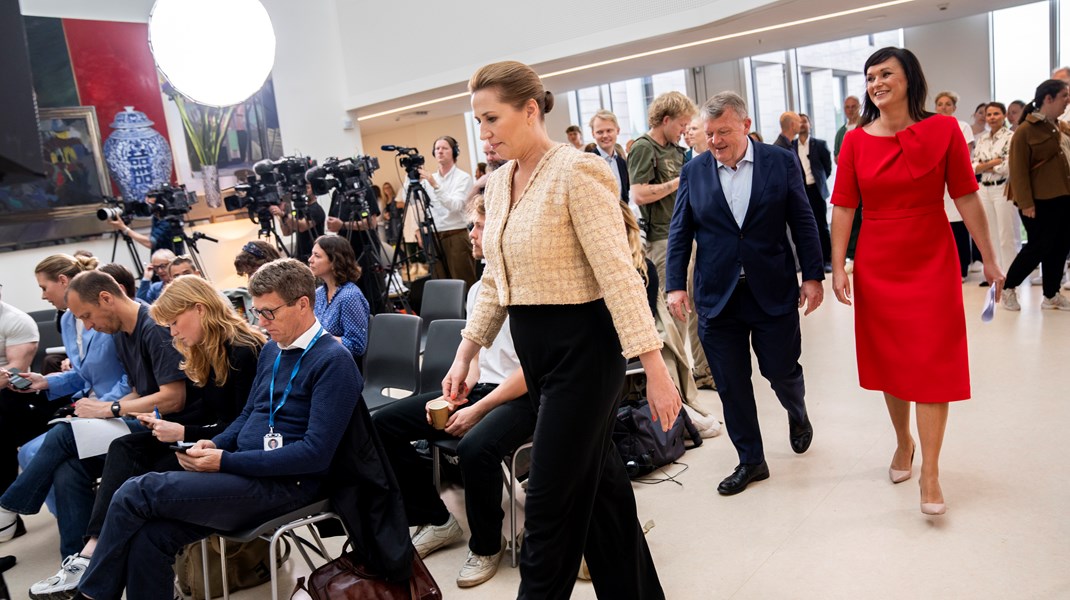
563	243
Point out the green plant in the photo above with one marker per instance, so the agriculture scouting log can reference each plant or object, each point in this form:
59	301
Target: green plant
205	125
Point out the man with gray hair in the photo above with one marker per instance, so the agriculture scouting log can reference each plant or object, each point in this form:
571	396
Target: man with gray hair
272	459
737	202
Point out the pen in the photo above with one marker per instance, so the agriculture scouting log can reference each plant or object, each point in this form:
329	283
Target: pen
156	411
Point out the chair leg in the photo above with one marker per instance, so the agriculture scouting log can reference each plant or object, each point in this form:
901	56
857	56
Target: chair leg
204	567
223	564
272	546
319	542
301	548
436	469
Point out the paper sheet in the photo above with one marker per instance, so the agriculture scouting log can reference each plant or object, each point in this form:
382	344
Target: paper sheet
93	436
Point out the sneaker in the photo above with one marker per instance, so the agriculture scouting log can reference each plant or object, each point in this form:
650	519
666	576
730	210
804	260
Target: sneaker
1066	284
1056	302
12	528
976	267
63	584
478	569
1037	279
1010	300
429	538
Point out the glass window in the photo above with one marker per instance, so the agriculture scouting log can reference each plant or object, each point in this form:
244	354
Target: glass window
1020	50
770	93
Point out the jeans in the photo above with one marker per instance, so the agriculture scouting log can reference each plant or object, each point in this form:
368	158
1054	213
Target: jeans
480	453
56	465
26	453
153	516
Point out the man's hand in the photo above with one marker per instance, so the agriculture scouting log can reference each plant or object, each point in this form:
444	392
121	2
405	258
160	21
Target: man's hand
92	409
65	365
1030	212
116	224
5	379
276	210
201	457
679	305
148	272
462	421
334	224
811	295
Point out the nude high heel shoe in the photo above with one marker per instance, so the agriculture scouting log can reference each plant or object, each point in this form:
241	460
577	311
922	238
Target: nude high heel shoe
934	509
898	476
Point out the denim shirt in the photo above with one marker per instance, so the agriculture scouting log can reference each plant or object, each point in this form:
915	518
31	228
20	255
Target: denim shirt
100	370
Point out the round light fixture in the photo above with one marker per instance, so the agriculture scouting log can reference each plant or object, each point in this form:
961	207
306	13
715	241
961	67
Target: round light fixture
214	52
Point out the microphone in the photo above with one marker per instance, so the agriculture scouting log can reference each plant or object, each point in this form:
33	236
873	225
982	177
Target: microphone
388	148
263	167
315	173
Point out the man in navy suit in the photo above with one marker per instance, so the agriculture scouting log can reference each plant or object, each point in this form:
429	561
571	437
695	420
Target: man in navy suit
735	202
816	165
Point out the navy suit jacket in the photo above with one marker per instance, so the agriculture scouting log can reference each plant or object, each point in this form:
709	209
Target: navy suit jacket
778	202
622	168
820	163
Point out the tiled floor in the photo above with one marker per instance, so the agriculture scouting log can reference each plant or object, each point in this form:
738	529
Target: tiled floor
829	524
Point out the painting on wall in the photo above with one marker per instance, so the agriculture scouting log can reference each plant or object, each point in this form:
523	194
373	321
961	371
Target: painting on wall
252	134
74	167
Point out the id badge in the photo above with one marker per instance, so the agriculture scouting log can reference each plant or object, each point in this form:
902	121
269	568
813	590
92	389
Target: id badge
272	441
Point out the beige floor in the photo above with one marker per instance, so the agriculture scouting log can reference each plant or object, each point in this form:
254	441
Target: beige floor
829	524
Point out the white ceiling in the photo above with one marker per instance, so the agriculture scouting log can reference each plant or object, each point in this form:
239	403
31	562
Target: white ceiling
914	13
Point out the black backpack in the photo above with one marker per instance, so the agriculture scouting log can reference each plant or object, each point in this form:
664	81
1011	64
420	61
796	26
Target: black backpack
641	443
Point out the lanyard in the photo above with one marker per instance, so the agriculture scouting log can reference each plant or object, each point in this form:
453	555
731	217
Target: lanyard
289	384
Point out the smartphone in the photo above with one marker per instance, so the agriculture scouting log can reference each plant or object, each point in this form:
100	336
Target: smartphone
181	447
17	381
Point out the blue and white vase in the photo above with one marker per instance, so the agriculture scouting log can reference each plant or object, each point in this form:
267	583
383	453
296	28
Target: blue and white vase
137	155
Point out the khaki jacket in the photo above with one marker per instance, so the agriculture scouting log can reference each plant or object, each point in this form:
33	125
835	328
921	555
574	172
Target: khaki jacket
1038	168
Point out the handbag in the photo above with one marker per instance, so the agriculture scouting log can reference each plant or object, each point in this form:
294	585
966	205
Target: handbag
641	443
344	578
247	566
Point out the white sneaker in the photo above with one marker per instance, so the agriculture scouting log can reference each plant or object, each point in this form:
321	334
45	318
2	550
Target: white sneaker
1066	284
478	569
976	267
1056	302
1010	300
66	581
429	538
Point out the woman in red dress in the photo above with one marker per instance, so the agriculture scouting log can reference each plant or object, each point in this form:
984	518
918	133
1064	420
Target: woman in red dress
910	329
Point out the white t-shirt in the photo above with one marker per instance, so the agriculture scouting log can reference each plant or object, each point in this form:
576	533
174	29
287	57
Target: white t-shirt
499	361
16	327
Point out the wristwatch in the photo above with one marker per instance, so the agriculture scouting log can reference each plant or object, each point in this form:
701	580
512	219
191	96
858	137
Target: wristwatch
115	408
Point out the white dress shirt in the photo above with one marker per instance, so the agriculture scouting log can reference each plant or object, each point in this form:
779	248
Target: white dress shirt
804	158
991	146
447	203
499	361
736	183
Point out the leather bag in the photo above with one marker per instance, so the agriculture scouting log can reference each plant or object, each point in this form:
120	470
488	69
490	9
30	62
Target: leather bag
346	579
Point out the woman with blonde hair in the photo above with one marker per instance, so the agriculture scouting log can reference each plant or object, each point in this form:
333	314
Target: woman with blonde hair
219	351
577	309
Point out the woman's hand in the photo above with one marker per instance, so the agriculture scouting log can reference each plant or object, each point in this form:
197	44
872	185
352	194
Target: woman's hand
38	383
165	431
841	285
995	277
663	398
1030	212
454	388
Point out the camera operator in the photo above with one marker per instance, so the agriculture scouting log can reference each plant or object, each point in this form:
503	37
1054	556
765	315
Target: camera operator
361	234
448	189
308	224
160	238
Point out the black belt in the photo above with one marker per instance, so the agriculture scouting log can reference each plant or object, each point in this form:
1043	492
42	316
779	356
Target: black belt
991	183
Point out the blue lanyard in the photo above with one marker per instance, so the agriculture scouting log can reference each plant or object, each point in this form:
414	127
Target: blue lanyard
289	384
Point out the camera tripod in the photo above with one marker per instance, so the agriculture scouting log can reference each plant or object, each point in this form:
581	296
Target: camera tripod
268	231
181	238
416	197
373	271
131	246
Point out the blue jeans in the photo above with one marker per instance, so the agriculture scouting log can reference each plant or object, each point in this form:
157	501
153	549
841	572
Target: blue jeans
57	466
26	453
154	515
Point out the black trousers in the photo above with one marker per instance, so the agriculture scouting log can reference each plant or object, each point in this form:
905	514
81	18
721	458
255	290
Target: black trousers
777	341
22	418
1049	243
820	208
963	243
580	500
480	454
128	457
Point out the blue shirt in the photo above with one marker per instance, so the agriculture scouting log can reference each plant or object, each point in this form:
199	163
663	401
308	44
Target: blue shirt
311	422
736	183
149	291
100	369
345	316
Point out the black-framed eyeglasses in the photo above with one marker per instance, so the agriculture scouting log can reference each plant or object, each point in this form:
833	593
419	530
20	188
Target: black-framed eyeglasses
268	314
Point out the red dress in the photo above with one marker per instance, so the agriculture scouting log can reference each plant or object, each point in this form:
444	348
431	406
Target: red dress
910	329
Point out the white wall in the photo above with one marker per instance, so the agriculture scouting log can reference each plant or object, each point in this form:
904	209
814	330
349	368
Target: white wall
955	56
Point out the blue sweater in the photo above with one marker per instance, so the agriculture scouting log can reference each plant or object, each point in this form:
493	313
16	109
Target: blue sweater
99	370
312	421
345	316
149	291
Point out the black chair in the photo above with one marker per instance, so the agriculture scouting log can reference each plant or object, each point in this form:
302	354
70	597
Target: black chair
443	299
443	337
393	357
50	337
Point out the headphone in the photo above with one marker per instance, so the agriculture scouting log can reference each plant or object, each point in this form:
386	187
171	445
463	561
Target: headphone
453	146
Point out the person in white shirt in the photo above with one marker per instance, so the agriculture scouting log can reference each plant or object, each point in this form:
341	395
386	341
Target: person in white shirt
990	162
448	189
498	418
852	110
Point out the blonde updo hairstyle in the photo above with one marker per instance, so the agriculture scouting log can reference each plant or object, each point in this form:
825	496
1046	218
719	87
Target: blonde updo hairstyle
220	324
66	265
515	82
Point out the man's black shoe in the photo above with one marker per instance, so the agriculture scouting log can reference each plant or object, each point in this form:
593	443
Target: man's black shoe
743	475
801	435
